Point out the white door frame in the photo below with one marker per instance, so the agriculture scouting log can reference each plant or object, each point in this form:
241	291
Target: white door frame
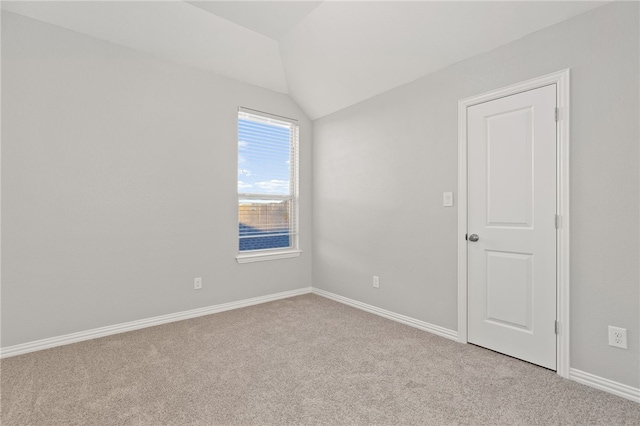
561	79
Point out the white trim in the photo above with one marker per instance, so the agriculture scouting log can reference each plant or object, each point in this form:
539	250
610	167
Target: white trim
248	257
425	326
606	385
562	242
143	323
561	79
462	222
275	117
579	376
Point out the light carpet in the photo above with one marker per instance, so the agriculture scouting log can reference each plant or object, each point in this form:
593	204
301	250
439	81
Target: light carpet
303	360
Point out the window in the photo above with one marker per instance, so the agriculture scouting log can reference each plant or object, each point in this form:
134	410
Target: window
267	186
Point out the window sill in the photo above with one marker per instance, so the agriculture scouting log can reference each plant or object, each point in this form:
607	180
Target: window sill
262	256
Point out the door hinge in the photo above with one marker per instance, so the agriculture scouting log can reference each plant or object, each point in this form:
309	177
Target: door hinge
557	114
557	221
557	327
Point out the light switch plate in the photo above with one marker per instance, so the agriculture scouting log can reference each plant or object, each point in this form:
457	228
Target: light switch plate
447	199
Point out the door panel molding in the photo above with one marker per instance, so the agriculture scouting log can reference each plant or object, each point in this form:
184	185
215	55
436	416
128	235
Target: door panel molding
561	79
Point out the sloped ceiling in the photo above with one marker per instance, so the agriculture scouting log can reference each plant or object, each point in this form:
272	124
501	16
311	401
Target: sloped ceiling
325	55
269	18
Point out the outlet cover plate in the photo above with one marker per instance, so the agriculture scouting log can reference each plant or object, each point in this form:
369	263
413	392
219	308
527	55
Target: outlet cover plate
618	337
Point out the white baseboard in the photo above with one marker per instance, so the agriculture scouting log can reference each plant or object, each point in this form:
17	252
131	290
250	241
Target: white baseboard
435	329
579	376
606	385
95	333
588	379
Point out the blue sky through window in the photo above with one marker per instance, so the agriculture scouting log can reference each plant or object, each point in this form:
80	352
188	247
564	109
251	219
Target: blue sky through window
264	155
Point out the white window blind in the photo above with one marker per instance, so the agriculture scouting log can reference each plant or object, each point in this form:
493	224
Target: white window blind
267	182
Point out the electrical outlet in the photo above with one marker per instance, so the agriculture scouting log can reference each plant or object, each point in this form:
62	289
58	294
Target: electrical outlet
618	337
197	283
376	281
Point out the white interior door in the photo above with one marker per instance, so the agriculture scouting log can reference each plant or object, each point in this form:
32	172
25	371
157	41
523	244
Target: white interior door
511	210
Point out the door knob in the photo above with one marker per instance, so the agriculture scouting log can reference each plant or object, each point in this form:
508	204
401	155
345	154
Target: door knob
473	238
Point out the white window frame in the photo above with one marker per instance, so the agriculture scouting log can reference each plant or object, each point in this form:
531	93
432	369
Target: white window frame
249	256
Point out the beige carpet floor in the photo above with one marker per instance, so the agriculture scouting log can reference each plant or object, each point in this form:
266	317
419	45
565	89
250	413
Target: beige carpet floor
304	360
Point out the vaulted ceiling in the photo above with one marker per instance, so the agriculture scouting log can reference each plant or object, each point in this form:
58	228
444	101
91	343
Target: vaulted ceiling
326	55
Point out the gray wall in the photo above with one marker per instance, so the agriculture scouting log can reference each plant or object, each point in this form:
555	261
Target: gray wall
119	185
119	174
380	168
